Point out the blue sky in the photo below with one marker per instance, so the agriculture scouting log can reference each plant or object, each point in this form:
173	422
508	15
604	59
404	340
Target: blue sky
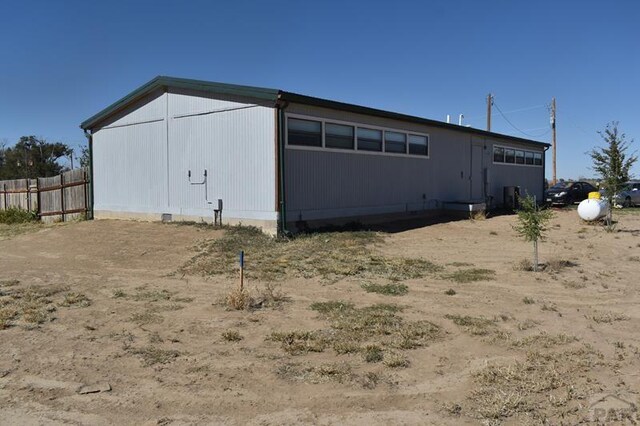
62	61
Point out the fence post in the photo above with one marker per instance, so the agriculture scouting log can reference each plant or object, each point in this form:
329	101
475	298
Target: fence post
62	194
4	188
26	181
38	197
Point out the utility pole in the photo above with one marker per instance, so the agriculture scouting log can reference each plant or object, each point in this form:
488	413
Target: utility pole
553	139
489	104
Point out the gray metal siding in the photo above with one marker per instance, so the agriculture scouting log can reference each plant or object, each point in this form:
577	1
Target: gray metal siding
130	161
528	178
235	143
143	154
323	184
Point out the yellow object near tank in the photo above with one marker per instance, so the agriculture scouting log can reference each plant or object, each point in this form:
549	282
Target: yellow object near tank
594	195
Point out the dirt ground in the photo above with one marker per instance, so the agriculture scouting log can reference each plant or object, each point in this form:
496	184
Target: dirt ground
510	345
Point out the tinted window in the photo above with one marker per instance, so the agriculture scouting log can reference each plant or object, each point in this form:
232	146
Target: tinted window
509	156
304	132
498	154
369	139
519	157
528	157
395	142
418	145
338	136
537	159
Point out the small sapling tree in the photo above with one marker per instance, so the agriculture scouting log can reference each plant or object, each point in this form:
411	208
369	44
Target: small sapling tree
532	224
612	164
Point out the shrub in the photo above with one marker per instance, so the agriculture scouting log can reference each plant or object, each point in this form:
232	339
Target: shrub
16	215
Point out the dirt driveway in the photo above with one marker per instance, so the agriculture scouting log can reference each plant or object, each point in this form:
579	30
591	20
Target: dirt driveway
104	302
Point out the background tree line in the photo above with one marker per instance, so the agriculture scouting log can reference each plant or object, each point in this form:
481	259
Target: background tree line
32	157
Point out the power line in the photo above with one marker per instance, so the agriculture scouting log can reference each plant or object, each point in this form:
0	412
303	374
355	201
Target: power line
516	127
509	112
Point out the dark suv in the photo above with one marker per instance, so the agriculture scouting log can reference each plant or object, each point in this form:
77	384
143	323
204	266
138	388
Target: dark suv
567	193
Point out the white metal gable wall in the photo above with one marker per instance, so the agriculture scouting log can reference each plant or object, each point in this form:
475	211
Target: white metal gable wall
142	158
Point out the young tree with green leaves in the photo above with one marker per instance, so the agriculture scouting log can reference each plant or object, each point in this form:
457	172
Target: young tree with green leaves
612	164
532	224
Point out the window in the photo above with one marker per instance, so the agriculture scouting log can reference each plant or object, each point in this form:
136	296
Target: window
509	156
528	157
498	154
537	158
418	145
369	139
395	142
338	136
304	132
519	157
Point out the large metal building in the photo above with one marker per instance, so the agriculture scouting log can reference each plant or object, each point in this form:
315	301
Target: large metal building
178	149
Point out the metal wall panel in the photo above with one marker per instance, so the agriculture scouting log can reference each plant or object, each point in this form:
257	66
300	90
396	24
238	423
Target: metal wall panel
130	168
150	108
235	143
142	157
324	184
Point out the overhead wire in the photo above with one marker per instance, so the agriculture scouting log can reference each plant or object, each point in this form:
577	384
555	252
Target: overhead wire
516	127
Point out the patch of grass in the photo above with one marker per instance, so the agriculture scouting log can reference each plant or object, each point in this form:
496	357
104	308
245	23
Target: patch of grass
377	324
152	295
119	294
6	317
536	388
10	231
151	355
335	372
239	299
386	289
460	264
299	342
330	255
395	360
527	324
372	353
544	340
182	299
528	300
477	326
146	317
493	233
607	317
574	285
557	265
478	215
471	275
9	283
231	336
32	305
14	215
270	297
523	265
450	292
77	300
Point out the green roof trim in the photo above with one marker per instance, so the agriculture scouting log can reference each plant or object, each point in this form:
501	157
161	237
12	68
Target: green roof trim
257	93
271	96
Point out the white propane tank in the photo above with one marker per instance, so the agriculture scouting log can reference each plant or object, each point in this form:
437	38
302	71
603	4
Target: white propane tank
593	209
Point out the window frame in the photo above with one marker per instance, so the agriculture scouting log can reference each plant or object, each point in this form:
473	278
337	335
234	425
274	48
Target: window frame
354	136
355	126
315	121
516	148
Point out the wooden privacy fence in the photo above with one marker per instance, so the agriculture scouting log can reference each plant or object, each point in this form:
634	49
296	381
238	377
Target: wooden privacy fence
63	197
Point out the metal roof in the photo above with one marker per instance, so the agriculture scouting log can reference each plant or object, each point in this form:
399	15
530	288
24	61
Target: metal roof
271	96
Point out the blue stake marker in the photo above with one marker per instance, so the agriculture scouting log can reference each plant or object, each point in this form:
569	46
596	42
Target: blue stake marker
241	270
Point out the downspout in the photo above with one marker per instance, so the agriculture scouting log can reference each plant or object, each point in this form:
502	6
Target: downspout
282	225
89	137
544	172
